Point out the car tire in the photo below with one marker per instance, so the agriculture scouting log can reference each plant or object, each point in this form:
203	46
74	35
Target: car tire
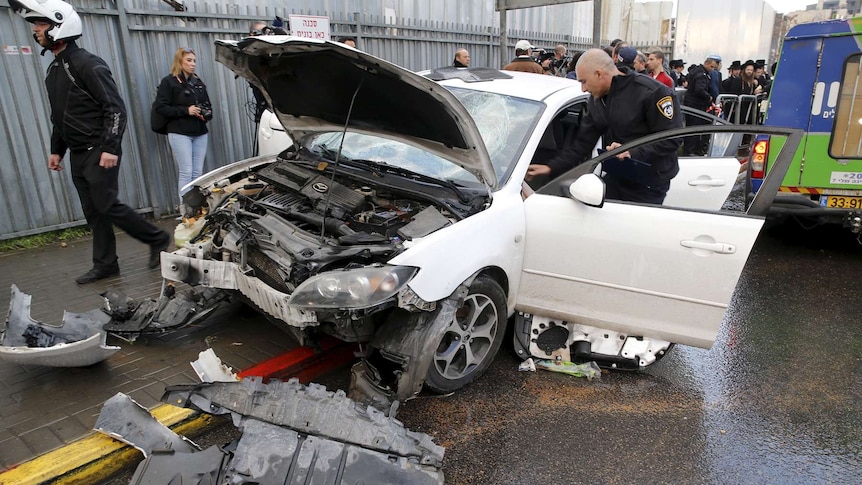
472	340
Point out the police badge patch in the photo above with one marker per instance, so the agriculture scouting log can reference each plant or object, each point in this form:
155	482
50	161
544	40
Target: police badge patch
665	105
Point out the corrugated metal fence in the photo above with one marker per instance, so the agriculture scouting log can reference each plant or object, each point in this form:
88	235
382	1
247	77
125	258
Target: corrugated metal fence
137	38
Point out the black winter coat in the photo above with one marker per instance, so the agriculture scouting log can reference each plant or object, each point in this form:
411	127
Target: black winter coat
636	106
86	108
698	95
173	98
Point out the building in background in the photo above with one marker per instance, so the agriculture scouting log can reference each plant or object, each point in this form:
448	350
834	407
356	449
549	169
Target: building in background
733	29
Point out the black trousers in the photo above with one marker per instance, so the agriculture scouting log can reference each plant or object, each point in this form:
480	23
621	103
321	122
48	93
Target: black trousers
695	144
98	188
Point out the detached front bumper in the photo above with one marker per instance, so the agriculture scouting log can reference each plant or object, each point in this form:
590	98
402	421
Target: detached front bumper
230	276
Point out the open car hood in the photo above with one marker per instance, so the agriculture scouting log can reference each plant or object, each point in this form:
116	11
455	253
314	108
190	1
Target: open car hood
310	84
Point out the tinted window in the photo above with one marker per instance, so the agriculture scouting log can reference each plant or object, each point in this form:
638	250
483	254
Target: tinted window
846	141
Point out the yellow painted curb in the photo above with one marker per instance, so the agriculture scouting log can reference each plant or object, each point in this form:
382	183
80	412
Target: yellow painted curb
96	457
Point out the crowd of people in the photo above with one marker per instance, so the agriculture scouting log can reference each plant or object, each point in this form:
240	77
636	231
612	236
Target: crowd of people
748	78
619	71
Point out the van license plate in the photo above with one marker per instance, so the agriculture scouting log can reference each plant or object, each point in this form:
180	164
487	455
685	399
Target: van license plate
840	202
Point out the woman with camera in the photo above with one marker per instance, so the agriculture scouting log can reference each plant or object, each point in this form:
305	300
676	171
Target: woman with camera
182	98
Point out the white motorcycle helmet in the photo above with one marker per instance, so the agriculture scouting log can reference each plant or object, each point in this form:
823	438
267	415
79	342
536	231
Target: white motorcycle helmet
66	22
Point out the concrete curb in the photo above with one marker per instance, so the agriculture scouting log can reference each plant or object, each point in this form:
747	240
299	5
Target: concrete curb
96	457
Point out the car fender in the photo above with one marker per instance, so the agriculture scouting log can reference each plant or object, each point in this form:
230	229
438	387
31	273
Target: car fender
448	257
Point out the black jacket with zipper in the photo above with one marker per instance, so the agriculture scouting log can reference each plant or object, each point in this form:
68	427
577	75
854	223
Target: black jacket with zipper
697	95
173	98
86	108
636	106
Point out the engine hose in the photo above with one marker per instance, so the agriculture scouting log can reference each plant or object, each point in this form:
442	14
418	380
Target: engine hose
333	225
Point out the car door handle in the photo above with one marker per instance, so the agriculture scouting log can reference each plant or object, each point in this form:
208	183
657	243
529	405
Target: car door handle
718	247
706	183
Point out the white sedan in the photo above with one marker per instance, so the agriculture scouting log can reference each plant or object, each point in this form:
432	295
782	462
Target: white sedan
399	218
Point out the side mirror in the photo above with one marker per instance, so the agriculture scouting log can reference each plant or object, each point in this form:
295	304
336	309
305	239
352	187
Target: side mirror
589	189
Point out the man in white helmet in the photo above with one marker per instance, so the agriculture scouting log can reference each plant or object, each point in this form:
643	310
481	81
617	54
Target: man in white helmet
89	118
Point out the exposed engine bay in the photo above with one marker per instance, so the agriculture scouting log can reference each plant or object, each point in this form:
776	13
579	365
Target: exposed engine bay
292	219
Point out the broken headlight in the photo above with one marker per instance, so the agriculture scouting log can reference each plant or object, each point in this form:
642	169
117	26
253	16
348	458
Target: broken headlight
353	288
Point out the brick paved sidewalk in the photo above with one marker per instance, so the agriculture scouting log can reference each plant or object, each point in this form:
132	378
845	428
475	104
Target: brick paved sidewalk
45	408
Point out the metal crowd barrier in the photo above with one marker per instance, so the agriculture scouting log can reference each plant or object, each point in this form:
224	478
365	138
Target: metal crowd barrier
731	106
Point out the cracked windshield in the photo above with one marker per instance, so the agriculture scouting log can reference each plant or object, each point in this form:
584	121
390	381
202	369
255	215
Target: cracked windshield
503	121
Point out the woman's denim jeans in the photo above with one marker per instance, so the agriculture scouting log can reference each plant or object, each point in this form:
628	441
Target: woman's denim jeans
189	153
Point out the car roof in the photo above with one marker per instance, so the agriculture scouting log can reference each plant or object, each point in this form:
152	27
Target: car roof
525	85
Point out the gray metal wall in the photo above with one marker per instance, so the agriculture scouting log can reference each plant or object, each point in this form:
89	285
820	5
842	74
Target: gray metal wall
137	38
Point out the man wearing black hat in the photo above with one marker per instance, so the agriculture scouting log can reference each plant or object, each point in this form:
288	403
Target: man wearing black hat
676	66
733	70
745	84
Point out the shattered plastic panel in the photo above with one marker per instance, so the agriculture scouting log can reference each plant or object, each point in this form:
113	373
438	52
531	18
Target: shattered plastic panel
267	453
169	466
170	311
309	410
126	420
291	434
79	341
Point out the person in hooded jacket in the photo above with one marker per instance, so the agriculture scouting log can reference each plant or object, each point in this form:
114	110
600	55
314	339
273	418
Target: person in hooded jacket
89	118
182	98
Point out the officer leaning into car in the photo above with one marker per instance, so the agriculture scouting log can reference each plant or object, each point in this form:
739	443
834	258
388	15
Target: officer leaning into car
623	107
89	119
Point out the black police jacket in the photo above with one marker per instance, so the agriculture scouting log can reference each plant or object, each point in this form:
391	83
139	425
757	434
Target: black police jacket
173	98
86	108
636	106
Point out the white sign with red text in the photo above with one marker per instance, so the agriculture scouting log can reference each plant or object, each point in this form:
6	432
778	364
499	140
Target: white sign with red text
310	26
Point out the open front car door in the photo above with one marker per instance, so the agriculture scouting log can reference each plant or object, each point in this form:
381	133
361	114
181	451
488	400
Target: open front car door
620	282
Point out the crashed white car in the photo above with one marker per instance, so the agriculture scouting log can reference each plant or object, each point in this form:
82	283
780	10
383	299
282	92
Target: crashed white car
400	219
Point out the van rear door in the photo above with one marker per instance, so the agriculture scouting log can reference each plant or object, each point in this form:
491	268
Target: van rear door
797	73
819	169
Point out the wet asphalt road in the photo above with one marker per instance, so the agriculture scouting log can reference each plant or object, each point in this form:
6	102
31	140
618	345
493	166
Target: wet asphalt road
777	400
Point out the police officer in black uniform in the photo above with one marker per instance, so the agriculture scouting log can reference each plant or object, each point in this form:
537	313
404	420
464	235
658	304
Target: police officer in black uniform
89	119
623	107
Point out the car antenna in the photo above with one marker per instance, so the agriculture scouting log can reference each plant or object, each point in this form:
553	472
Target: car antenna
338	158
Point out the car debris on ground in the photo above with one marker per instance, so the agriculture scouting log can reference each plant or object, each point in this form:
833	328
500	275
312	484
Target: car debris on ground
81	338
291	433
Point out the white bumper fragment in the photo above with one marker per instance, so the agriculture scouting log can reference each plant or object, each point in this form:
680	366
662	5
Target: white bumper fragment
229	276
81	339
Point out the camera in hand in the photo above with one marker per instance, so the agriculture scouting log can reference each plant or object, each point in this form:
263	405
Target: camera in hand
541	55
206	111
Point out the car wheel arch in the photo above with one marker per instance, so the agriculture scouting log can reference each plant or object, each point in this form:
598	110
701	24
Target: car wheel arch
411	338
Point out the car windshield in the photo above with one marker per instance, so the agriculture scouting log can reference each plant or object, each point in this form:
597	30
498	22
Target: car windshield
386	151
504	123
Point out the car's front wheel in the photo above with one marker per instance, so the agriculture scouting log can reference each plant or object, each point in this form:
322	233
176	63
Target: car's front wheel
472	338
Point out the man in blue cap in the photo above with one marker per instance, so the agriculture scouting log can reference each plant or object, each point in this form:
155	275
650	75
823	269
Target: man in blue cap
715	76
699	96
